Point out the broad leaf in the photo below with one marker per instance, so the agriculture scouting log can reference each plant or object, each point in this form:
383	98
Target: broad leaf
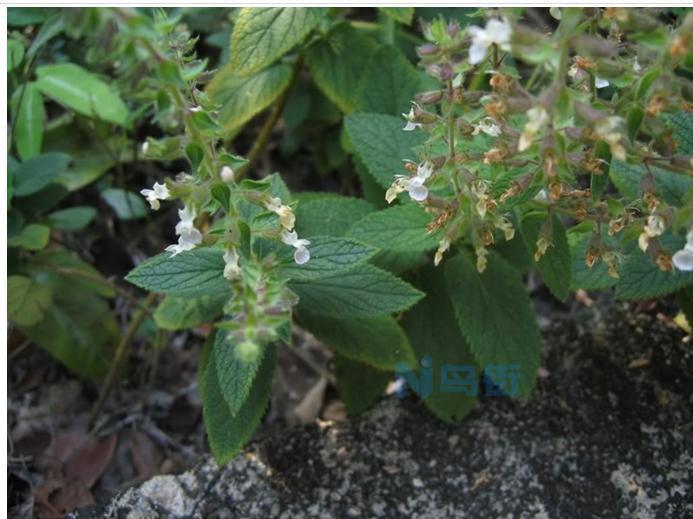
28	130
359	385
328	256
228	433
32	237
672	187
27	300
126	204
261	35
235	375
640	278
179	313
80	90
337	64
554	266
389	85
382	145
682	124
496	316
71	219
37	172
443	351
195	273
400	228
377	341
241	98
362	291
328	214
64	267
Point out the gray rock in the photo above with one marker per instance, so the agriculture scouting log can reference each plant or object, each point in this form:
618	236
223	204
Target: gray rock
597	439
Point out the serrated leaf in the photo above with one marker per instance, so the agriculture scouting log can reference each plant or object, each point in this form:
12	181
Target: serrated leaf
336	63
179	313
682	125
554	266
32	237
261	35
362	291
195	273
126	204
241	98
672	187
235	375
359	384
328	256
399	228
228	433
80	90
382	145
400	14
329	214
496	316
390	84
640	278
377	341
36	173
71	219
27	300
28	130
437	341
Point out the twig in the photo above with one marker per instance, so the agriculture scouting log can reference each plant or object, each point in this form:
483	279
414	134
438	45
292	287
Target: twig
118	357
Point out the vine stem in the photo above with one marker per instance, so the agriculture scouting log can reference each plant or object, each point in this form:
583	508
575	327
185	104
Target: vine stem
269	124
118	357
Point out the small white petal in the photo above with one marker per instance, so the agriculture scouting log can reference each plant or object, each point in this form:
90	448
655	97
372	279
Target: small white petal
600	83
424	170
289	238
498	31
226	174
410	126
683	260
555	12
477	52
301	256
418	193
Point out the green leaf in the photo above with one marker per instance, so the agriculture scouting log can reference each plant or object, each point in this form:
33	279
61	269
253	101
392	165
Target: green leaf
261	35
36	173
390	84
583	277
235	374
81	91
27	300
640	278
364	290
32	237
554	266
28	130
380	142
51	27
179	313
195	273
377	341
359	384
672	187
228	433
400	14
329	214
72	219
328	256
15	54
682	125
241	98
336	63
437	341
78	329
67	269
496	316
399	228
127	205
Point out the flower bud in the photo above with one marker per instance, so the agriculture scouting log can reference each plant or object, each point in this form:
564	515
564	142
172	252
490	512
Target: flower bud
427	49
609	68
226	174
588	113
453	29
429	98
595	47
247	351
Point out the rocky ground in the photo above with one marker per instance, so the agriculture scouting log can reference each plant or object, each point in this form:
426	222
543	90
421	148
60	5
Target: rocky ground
607	433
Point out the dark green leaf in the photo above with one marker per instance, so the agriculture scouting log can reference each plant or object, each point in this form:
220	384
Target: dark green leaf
27	300
127	205
399	228
359	384
72	219
36	173
179	313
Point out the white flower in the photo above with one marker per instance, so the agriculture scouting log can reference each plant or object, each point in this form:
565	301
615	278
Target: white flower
145	147
226	174
302	254
231	268
412	185
188	236
158	192
555	12
683	259
443	247
285	213
636	65
496	32
600	83
537	117
608	129
487	125
195	109
655	227
410	117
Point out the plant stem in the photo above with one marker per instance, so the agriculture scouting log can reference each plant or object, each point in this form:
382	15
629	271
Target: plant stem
118	357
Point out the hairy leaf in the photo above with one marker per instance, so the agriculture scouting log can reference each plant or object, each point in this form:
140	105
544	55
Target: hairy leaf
178	313
359	384
672	187
329	214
